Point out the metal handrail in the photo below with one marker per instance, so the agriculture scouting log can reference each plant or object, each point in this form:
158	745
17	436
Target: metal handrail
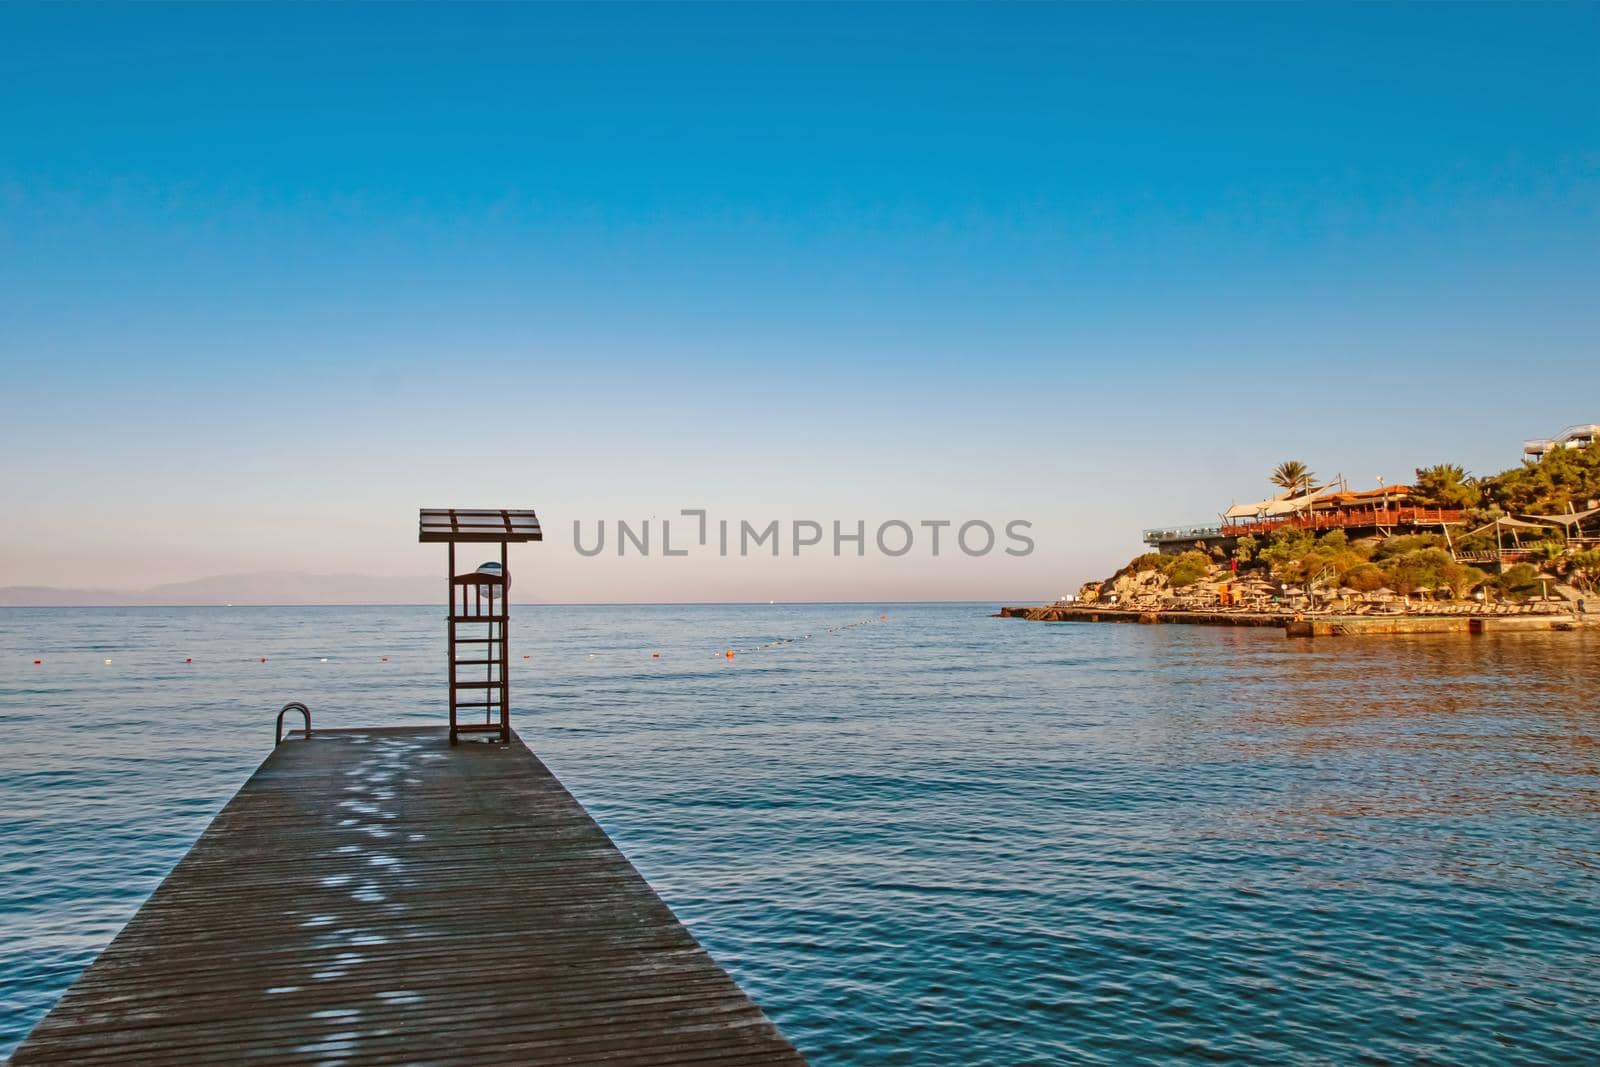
1180	533
293	705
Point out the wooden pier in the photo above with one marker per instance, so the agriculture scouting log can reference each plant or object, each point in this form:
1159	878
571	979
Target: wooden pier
379	896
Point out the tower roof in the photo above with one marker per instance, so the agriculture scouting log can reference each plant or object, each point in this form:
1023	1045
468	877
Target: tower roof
478	525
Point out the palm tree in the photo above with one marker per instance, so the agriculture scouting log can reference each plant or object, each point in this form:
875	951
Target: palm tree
1291	474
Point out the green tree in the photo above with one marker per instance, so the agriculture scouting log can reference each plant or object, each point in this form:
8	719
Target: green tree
1244	549
1293	475
1565	478
1462	579
1445	486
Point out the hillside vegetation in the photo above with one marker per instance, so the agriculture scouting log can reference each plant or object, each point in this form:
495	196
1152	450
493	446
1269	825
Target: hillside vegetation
1565	480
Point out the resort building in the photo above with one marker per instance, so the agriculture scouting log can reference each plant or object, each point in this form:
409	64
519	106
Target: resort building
1385	510
1381	511
1572	437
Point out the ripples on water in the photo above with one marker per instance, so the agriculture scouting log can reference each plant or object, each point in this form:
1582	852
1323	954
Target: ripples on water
940	839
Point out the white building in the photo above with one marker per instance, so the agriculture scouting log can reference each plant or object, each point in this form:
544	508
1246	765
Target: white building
1571	437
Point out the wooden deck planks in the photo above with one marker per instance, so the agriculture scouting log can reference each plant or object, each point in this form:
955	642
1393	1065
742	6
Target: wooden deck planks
381	897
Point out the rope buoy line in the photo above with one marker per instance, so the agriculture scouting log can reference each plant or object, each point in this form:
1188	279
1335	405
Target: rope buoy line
260	659
729	653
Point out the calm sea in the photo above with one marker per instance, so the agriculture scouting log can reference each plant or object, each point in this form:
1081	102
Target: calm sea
939	838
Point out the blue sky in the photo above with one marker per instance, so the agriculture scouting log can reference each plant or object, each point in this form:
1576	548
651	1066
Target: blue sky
1095	267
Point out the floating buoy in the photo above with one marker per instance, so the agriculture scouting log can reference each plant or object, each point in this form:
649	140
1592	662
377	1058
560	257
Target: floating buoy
263	659
653	655
524	657
324	659
729	655
39	661
188	659
883	618
384	658
108	663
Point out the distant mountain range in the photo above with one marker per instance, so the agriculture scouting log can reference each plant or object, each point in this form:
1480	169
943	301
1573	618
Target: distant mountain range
265	587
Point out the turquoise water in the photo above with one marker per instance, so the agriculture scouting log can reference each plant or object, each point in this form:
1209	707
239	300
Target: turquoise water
939	838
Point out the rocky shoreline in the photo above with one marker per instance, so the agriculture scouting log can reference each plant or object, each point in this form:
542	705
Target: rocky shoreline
1316	624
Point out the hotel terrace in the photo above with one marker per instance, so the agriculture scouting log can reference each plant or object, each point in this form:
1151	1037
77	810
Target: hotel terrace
1373	512
1390	510
1382	512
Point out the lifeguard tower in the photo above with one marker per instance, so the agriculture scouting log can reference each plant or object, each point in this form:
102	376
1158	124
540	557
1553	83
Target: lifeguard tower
480	613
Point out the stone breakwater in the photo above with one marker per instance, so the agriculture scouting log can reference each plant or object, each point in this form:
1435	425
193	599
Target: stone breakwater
1305	625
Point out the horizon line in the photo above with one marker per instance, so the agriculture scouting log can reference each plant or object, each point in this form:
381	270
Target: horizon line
540	604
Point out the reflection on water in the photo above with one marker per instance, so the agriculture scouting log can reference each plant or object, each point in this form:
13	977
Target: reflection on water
939	839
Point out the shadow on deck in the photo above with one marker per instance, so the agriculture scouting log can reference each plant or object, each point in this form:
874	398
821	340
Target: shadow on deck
377	896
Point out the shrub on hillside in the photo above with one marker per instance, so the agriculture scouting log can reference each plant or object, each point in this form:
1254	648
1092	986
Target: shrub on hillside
1188	569
1300	559
1150	561
1401	546
1518	582
1586	568
1366	578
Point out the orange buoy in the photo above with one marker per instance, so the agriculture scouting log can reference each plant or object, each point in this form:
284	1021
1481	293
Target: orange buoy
263	659
653	655
730	653
188	659
384	658
883	618
524	657
37	662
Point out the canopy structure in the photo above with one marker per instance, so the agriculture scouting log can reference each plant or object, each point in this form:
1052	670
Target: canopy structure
1283	504
1572	518
480	525
1251	511
1507	523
